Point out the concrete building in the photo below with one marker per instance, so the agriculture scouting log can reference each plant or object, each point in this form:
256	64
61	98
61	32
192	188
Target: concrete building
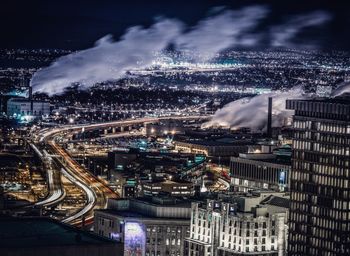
239	225
264	171
146	227
172	188
20	107
42	236
213	148
152	172
319	184
118	160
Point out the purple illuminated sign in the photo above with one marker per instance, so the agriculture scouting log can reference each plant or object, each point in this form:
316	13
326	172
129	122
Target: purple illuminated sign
134	239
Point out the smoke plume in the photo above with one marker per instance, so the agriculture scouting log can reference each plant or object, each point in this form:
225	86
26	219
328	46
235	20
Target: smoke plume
282	35
109	60
225	30
341	89
252	112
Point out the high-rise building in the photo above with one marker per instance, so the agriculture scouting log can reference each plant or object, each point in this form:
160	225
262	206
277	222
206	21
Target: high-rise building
320	198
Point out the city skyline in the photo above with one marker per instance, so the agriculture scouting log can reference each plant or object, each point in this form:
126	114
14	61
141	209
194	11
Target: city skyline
174	128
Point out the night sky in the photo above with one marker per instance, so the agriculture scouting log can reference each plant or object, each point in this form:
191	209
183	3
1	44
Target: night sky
78	24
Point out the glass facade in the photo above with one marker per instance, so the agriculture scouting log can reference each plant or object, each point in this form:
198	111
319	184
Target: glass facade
319	221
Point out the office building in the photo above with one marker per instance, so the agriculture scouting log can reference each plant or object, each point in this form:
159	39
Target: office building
213	148
180	188
147	227
254	224
264	171
319	181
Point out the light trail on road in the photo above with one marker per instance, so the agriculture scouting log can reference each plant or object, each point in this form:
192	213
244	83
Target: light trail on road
91	198
56	192
97	191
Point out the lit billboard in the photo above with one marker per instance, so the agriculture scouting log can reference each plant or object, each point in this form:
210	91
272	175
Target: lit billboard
134	239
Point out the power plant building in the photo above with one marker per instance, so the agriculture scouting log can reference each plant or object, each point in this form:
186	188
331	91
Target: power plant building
21	107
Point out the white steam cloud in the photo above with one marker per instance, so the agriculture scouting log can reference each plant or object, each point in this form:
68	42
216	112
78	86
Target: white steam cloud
282	35
109	60
341	89
252	112
215	34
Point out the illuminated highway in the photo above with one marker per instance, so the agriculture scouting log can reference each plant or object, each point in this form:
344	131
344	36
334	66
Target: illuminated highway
97	192
56	192
91	198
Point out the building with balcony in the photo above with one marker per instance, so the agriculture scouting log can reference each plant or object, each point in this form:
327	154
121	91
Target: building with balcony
254	224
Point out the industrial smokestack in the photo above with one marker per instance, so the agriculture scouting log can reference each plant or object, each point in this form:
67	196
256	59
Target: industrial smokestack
26	82
269	118
30	93
31	99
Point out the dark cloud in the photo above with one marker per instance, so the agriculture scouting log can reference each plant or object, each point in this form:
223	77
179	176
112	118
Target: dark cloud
77	24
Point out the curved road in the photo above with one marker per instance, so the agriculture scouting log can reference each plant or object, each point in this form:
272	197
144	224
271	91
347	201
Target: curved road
97	191
56	192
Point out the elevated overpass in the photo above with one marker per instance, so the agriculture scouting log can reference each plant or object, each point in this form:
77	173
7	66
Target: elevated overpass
97	192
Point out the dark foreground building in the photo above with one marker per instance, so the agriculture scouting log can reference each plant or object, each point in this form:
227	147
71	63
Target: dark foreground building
42	236
320	196
147	227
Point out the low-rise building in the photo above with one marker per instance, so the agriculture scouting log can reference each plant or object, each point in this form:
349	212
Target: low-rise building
262	171
146	227
239	225
172	188
213	148
26	107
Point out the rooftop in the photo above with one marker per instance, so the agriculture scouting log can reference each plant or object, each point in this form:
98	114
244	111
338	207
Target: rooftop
24	100
334	109
44	232
277	201
161	201
218	143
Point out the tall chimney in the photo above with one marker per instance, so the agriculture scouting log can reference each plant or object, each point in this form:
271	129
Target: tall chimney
269	118
30	93
31	98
